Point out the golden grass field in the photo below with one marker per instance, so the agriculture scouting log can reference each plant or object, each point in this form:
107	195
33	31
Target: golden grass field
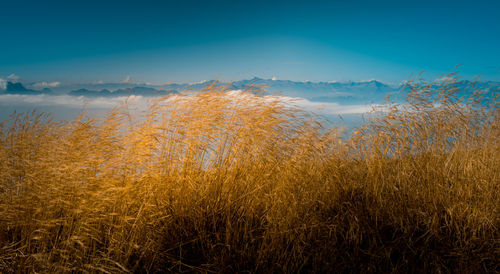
218	182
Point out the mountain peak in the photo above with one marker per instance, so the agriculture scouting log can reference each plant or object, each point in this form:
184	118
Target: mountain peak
16	87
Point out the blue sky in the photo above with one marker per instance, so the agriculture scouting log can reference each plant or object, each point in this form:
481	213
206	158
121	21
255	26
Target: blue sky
187	41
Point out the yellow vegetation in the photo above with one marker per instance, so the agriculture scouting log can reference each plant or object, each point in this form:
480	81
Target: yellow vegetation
214	181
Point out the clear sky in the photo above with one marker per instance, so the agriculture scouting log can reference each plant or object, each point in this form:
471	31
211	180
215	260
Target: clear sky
186	41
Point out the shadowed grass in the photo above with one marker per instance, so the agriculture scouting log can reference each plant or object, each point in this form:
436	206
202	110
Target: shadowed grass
224	181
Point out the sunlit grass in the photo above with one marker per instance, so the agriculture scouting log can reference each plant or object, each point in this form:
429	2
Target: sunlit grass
219	181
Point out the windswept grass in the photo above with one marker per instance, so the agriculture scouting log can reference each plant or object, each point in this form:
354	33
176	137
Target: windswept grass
220	181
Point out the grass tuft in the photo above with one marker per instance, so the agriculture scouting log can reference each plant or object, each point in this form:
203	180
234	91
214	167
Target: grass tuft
220	181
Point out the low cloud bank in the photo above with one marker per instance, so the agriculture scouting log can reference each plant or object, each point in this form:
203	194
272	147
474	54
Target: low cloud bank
325	108
46	84
329	108
54	103
66	100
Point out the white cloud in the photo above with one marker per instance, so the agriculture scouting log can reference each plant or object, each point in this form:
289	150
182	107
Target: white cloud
195	83
13	77
46	84
445	79
127	79
69	101
3	84
327	108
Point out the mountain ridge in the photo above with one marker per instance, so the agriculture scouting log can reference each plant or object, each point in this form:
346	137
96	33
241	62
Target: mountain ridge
342	92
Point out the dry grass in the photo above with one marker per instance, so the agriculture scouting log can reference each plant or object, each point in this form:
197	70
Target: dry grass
218	182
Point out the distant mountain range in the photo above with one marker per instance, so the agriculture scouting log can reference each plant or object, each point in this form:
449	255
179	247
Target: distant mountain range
314	91
341	92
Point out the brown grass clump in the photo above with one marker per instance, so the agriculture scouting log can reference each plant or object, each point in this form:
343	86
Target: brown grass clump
220	181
